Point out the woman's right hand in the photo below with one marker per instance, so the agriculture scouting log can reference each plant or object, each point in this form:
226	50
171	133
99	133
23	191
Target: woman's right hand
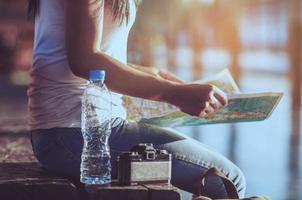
197	99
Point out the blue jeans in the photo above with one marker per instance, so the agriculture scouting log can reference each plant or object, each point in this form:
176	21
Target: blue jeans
59	150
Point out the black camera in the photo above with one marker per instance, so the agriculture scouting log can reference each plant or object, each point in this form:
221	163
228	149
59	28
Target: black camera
144	164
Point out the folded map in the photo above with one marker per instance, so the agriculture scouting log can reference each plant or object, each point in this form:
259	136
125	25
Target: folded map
240	108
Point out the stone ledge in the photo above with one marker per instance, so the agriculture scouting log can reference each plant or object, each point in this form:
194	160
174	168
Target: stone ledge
15	148
115	192
22	178
163	192
29	181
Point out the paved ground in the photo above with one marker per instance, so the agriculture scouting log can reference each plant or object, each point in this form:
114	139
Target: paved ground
15	149
14	140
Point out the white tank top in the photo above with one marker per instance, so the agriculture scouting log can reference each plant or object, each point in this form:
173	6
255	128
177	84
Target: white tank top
55	93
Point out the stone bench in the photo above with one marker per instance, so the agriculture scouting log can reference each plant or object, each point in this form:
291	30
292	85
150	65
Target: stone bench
29	181
22	178
138	192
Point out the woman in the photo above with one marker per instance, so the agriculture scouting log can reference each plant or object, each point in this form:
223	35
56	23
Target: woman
73	37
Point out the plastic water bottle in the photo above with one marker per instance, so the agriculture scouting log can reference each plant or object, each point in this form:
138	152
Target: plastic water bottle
96	129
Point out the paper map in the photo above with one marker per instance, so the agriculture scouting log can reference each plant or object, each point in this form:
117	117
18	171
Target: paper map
241	107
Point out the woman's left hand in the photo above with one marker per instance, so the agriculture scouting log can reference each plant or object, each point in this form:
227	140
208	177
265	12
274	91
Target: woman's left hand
169	76
158	73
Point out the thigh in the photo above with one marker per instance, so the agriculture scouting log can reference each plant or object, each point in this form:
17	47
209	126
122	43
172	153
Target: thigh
60	149
191	159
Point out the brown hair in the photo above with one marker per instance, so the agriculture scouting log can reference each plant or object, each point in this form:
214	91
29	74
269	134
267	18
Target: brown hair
120	8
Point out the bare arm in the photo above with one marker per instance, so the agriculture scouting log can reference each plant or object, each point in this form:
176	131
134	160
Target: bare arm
83	28
158	73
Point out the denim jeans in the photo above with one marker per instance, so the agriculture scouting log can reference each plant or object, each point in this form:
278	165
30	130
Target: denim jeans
59	150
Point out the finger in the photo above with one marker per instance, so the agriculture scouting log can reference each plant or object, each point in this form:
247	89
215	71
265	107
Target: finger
209	109
214	102
220	96
202	114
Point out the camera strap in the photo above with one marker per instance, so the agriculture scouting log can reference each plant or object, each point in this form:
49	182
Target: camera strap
229	186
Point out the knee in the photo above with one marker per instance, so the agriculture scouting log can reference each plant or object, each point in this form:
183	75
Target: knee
239	181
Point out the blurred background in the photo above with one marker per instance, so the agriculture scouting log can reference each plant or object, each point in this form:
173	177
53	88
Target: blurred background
258	40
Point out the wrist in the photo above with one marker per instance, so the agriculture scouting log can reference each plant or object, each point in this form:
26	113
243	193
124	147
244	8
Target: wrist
169	94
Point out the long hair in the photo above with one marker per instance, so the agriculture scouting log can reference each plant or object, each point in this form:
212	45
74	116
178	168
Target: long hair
32	8
120	8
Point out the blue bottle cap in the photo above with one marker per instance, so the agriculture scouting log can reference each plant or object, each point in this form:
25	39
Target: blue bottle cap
97	75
